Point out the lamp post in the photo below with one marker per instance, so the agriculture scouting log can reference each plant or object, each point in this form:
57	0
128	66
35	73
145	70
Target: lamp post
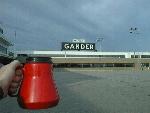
134	31
100	43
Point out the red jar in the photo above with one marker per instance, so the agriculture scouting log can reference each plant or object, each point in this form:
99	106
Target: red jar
38	89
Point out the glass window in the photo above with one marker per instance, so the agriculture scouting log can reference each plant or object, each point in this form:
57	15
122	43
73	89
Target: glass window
1	30
145	56
3	49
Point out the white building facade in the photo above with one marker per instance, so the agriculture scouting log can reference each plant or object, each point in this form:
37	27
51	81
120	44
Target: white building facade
57	54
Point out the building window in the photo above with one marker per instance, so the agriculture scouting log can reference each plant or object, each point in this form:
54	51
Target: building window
145	56
112	56
134	56
1	30
3	49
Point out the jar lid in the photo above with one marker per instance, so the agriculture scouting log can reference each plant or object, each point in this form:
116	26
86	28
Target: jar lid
39	59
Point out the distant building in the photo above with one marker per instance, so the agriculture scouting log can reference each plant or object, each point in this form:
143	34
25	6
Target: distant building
5	55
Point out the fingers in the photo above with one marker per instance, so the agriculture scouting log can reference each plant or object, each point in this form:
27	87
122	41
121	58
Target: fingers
12	91
18	76
14	85
15	82
11	75
17	79
13	88
18	73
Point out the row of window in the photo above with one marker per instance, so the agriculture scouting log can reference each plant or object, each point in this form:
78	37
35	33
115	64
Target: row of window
65	65
95	65
140	56
3	49
103	56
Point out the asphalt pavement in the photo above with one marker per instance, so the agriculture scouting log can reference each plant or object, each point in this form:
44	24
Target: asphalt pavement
95	92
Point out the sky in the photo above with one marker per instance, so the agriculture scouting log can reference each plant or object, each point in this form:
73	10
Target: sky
44	24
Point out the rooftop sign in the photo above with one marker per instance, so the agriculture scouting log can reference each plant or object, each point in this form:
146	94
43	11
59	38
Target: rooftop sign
79	40
78	46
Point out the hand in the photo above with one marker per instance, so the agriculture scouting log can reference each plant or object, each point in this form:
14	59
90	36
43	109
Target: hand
16	81
10	77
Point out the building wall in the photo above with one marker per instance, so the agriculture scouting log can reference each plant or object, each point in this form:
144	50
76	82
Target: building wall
87	54
4	43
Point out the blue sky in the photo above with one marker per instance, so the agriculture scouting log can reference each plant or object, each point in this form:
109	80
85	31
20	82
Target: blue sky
44	24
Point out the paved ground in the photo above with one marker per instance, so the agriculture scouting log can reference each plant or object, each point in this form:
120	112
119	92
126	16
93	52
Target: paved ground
95	92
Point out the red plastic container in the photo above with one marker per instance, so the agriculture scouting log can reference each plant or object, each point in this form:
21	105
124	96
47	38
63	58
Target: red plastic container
38	89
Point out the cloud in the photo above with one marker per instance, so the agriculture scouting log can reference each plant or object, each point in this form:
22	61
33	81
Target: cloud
49	22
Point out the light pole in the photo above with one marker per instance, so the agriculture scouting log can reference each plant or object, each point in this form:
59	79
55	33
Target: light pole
134	31
100	43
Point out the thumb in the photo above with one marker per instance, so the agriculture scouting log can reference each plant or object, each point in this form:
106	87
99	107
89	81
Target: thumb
13	65
11	68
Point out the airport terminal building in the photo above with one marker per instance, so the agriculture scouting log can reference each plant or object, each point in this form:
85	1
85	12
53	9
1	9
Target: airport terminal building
78	54
84	55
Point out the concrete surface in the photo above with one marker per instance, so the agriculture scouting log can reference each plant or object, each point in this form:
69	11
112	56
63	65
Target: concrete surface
95	92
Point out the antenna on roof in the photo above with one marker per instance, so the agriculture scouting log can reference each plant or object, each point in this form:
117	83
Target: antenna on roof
15	35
